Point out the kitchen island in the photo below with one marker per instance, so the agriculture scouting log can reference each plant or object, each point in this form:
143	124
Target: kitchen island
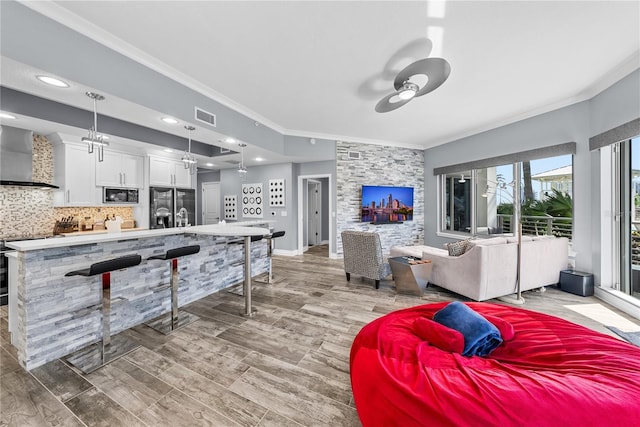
51	315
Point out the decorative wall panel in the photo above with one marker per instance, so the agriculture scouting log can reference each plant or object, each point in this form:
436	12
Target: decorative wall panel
252	200
276	193
231	207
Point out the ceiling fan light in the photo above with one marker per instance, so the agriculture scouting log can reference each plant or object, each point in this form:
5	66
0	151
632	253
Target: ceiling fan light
408	90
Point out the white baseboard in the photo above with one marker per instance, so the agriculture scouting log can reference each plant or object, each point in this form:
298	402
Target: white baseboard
619	300
285	252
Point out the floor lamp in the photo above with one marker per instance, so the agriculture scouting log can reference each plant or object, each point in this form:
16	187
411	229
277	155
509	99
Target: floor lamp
517	222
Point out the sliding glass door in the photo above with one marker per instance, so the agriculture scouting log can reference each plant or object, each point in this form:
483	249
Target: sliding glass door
627	216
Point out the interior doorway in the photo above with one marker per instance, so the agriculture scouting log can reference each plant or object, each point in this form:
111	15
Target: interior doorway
315	219
210	203
314	212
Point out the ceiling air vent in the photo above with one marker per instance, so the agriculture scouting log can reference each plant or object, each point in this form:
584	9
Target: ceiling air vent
353	155
205	117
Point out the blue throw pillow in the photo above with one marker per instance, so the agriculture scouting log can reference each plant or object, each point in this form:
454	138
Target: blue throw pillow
481	337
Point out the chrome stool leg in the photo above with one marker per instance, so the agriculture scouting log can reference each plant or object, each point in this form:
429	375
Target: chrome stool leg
175	319
108	348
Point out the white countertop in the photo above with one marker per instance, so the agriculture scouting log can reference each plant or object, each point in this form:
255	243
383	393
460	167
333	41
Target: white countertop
241	228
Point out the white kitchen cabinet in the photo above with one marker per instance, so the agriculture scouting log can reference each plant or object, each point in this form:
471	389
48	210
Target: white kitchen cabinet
119	170
74	173
168	173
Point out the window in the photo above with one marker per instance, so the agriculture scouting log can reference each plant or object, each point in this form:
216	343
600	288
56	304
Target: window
480	201
457	202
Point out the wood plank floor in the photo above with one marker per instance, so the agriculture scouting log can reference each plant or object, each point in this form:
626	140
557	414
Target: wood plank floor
287	366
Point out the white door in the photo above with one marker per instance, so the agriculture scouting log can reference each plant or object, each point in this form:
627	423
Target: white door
210	203
314	220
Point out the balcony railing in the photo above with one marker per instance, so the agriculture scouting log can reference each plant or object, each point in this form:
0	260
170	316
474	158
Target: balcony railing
538	225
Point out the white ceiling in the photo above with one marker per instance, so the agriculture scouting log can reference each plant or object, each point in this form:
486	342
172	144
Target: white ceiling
318	68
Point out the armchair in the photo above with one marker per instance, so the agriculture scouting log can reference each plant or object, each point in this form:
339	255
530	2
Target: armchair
362	253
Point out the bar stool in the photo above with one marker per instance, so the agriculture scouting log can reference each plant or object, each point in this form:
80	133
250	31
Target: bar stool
95	356
270	238
169	322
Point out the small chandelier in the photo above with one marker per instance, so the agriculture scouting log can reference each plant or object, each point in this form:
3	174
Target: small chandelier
94	138
188	159
242	170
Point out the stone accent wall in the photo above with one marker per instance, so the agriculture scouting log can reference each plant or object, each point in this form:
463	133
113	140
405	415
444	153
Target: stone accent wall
379	165
58	315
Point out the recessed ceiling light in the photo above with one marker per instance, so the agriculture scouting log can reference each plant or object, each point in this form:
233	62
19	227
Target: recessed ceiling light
168	150
259	159
52	81
208	164
7	116
170	120
230	140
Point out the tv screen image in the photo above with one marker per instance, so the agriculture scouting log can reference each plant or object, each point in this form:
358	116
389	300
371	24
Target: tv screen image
383	204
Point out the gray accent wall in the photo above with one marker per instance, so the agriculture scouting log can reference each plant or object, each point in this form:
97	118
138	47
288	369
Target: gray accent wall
284	217
379	165
578	122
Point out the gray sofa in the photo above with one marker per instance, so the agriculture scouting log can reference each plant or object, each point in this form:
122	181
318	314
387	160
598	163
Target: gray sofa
488	268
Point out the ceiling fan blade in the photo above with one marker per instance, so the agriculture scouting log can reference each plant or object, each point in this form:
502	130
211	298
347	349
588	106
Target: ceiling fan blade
436	69
384	106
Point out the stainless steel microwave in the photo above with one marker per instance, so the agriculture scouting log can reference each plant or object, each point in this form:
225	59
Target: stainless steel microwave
120	195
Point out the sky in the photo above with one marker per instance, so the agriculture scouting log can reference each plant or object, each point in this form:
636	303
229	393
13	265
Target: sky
537	166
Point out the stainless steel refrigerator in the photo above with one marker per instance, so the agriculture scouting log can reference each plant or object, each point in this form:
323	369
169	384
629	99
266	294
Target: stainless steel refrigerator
171	207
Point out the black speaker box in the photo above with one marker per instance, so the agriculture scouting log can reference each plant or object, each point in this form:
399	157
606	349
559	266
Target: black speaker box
576	282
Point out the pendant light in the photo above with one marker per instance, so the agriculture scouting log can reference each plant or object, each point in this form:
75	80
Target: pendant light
242	170
188	159
94	138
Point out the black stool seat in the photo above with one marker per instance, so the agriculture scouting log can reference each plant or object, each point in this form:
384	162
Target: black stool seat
178	252
270	238
276	234
253	239
95	356
169	322
107	266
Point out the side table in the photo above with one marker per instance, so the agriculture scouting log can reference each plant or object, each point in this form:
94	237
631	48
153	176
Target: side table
410	275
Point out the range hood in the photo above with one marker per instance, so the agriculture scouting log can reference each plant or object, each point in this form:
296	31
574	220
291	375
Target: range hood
16	158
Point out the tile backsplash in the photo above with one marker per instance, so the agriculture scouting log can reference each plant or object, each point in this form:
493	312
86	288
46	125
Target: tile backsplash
26	212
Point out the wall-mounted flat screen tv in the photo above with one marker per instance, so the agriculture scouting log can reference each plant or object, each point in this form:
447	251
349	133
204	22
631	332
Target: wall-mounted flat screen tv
384	204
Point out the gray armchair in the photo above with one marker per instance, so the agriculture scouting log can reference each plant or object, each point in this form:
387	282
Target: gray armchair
362	253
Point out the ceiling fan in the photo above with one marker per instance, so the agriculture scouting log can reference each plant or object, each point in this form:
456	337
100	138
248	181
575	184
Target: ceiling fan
435	69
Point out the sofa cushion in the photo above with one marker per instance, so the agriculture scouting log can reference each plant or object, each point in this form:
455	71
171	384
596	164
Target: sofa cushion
488	242
514	239
458	248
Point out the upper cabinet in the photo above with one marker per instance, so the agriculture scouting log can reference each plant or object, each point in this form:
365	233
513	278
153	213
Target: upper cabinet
74	173
120	170
168	173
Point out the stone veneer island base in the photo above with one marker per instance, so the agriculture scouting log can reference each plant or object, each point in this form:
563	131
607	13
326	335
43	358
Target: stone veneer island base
52	316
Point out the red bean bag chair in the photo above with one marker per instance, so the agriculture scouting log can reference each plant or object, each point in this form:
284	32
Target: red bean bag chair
551	373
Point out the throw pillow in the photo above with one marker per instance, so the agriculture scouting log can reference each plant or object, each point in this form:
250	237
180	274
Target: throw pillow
457	248
438	335
506	329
